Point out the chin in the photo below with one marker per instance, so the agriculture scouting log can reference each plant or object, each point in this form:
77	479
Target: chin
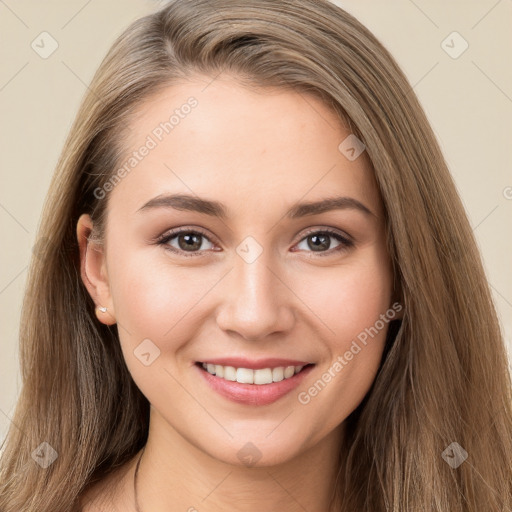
258	452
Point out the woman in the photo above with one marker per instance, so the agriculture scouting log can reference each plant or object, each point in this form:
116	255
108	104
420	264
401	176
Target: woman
185	348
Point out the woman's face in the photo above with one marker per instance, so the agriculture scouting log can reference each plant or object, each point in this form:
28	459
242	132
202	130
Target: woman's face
253	281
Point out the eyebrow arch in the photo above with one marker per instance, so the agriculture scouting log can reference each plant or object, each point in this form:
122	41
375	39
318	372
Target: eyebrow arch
215	209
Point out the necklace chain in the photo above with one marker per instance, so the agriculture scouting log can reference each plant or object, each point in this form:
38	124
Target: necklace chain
137	508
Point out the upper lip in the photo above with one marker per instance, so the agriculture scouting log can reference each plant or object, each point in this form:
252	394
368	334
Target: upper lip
253	364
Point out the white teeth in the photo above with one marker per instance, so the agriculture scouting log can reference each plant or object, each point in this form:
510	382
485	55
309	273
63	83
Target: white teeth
263	376
248	376
229	373
219	370
289	371
278	374
245	376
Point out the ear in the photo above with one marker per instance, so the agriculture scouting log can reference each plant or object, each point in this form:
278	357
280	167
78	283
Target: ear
93	270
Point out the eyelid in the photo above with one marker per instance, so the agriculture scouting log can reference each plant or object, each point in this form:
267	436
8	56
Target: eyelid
330	231
182	229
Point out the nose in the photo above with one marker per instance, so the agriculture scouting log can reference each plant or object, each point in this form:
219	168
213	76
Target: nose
256	302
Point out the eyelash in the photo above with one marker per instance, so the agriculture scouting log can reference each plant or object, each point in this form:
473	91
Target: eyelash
345	243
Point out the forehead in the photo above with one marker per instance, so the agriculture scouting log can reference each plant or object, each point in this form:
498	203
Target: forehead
219	137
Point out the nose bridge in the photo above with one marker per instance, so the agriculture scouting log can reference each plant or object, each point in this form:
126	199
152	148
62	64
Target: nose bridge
256	303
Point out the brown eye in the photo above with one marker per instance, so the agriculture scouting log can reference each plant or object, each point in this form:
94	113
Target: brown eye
188	241
320	242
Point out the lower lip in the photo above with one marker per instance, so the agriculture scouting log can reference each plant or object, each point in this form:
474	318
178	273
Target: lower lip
253	394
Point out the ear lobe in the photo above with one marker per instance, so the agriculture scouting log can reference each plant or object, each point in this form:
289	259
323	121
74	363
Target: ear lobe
93	270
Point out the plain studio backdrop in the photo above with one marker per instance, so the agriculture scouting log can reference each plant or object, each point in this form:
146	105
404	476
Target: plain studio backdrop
455	54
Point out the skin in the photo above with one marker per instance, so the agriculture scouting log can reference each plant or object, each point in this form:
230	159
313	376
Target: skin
259	153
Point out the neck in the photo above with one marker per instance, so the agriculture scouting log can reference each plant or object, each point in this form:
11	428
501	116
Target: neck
176	475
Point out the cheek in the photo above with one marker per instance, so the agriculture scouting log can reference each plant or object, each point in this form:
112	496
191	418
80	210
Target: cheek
144	301
348	298
354	307
156	299
154	306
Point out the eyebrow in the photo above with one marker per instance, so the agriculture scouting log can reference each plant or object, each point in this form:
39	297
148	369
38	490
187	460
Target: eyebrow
187	202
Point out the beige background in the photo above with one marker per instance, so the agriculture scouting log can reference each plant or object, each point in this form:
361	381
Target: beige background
468	101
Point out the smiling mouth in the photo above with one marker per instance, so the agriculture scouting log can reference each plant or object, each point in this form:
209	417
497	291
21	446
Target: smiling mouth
249	376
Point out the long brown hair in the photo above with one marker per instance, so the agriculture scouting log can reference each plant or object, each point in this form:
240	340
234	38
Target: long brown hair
444	378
